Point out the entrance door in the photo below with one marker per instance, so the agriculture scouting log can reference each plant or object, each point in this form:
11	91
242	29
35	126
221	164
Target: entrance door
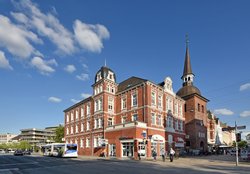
112	150
128	149
142	149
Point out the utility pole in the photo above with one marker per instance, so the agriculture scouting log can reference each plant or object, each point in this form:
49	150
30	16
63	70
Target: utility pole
236	146
236	128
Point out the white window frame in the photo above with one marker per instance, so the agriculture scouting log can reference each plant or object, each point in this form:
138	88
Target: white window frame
82	143
160	101
76	128
77	114
153	118
134	101
88	126
124	103
133	117
87	142
82	127
82	111
153	98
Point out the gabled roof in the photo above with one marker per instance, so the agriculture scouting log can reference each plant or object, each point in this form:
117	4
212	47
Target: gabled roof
130	82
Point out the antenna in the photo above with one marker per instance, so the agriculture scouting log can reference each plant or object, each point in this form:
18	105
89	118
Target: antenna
105	63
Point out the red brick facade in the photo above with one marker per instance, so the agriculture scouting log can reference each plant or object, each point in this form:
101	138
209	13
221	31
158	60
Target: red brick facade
124	119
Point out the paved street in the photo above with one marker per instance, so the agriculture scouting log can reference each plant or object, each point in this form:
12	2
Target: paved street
39	165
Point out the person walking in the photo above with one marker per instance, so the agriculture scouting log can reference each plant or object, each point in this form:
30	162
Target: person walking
172	152
154	154
163	154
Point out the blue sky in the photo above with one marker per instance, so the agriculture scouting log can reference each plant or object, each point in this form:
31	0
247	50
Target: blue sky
50	51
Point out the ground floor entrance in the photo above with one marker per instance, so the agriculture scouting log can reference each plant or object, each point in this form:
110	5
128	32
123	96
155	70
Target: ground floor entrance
128	149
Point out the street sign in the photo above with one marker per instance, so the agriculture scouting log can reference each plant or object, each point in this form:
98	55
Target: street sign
233	128
241	127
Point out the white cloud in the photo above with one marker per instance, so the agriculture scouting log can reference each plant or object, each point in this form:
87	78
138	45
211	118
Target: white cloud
223	111
245	114
46	25
90	36
43	66
16	39
54	100
83	77
245	87
85	67
4	63
85	95
75	101
70	68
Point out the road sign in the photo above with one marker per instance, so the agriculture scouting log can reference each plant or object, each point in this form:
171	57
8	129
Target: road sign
233	128
241	127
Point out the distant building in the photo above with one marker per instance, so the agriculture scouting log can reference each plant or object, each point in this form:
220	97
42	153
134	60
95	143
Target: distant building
195	109
248	139
37	137
6	138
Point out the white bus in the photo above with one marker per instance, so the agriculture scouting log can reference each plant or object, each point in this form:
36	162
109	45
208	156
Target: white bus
60	150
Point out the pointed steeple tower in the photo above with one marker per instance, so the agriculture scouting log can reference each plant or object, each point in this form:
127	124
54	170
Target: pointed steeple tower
188	75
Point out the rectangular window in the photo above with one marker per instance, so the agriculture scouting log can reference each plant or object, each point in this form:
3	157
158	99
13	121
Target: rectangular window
81	143
153	119
159	101
82	111
135	117
124	103
176	109
87	142
88	109
96	105
159	120
67	118
100	122
199	107
124	119
82	127
202	109
153	98
77	114
71	131
170	121
88	125
110	121
176	125
76	128
67	132
111	104
100	104
72	116
134	100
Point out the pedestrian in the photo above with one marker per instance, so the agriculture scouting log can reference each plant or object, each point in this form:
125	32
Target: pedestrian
163	154
139	154
154	154
172	152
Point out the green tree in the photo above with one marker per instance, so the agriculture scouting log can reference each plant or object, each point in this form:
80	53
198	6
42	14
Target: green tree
59	134
242	144
24	145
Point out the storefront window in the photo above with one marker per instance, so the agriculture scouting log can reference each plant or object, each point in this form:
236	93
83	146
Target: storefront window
128	149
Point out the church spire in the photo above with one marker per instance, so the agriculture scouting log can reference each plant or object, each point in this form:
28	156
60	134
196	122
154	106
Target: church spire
188	75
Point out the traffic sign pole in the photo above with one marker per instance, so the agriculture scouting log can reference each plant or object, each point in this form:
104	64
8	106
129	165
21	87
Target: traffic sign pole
236	144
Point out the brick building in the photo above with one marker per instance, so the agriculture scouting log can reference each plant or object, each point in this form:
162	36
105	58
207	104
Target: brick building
195	109
123	119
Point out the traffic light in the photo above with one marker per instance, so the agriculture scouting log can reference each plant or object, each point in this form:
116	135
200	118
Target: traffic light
238	137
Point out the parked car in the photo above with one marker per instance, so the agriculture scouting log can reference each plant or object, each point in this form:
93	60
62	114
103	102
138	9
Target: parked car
245	155
2	151
26	152
18	153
